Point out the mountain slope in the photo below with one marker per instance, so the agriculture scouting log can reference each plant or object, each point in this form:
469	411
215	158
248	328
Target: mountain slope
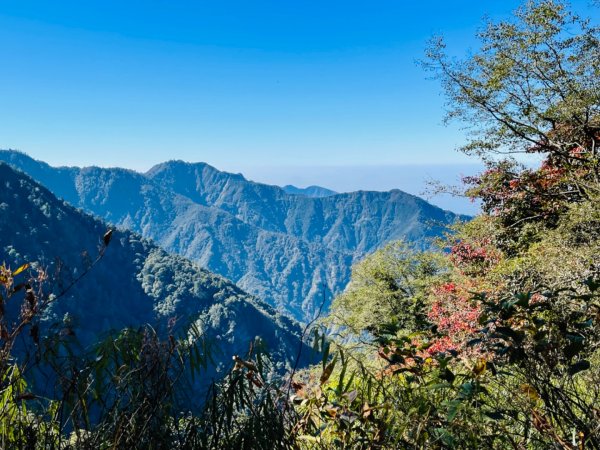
283	248
135	282
363	220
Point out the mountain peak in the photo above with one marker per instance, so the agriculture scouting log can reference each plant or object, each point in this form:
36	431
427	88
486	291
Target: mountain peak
135	283
179	165
280	247
309	191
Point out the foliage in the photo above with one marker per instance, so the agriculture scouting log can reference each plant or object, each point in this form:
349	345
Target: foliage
492	343
389	285
508	354
532	87
129	390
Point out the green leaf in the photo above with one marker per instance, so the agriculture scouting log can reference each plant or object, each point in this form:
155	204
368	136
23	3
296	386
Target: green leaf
340	385
325	347
438	386
587	324
453	407
315	345
523	299
349	383
447	439
575	338
467	389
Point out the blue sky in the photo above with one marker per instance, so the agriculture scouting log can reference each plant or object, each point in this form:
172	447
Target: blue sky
259	87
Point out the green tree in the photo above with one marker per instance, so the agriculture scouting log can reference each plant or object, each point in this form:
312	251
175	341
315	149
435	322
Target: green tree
390	285
534	85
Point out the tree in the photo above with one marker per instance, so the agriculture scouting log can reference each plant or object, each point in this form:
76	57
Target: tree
391	284
532	88
511	357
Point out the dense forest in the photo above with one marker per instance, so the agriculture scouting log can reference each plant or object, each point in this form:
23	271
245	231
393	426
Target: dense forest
279	247
489	340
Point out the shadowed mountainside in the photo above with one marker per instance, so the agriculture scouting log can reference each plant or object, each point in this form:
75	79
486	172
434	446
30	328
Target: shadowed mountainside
135	282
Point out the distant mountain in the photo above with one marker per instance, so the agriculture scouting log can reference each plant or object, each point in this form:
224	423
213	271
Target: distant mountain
310	191
135	283
283	248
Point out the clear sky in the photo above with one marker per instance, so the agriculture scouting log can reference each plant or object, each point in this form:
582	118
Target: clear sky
245	86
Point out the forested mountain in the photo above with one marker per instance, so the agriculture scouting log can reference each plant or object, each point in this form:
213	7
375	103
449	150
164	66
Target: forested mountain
310	191
493	343
283	248
135	283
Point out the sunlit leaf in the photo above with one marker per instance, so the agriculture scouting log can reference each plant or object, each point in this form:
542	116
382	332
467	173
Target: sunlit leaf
20	269
480	366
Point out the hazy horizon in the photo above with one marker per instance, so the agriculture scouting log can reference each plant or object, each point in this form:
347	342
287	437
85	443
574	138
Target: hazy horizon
325	94
411	178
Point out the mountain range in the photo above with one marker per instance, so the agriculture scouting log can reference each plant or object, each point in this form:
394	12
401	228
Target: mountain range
135	283
287	249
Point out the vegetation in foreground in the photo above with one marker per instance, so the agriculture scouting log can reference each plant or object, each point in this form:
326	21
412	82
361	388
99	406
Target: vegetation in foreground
493	343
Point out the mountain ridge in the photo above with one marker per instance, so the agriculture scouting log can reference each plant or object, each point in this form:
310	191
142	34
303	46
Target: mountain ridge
280	247
135	283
